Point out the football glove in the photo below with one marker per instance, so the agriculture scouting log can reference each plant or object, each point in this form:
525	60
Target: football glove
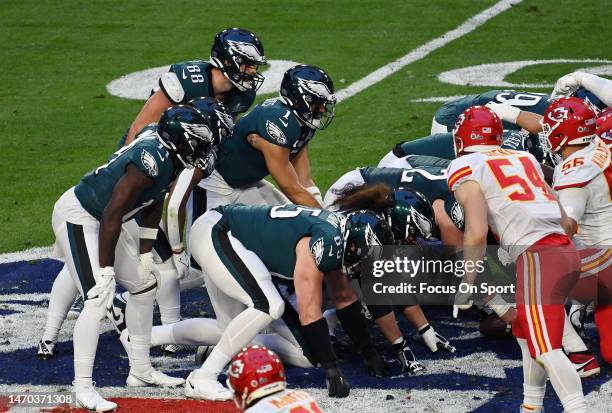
104	290
505	112
407	360
462	302
567	85
434	340
375	364
181	264
147	269
337	385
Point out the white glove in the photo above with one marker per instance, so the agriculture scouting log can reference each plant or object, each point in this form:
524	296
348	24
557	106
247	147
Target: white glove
504	257
181	264
434	340
505	112
147	269
566	85
462	302
104	290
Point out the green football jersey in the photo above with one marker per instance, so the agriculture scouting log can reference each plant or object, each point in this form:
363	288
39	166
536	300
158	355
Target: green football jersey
531	102
239	163
428	180
272	233
193	80
149	155
440	145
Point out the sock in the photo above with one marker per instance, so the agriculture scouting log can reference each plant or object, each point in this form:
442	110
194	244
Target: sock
63	294
318	343
354	324
139	321
193	332
169	295
238	334
534	378
572	343
564	379
85	339
332	320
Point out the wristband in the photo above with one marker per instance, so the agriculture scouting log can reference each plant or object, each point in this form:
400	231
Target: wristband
147	233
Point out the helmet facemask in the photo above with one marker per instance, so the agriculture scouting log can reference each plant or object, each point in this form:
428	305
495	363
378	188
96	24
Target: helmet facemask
237	73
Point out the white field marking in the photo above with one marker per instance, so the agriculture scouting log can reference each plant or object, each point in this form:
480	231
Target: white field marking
36	253
135	88
493	74
138	85
434	99
420	52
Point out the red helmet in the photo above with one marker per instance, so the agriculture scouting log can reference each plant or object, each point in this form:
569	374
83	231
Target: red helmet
477	126
604	126
253	373
568	121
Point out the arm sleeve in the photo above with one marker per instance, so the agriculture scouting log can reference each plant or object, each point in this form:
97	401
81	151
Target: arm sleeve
574	201
599	86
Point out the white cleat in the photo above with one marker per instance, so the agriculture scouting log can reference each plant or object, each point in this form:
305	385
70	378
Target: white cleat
153	378
206	389
88	398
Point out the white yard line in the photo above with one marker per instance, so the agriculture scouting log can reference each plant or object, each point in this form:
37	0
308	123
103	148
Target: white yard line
420	52
376	76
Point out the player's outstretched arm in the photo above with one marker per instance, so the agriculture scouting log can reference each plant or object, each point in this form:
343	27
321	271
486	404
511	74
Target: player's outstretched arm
150	113
599	86
301	163
126	192
526	120
283	172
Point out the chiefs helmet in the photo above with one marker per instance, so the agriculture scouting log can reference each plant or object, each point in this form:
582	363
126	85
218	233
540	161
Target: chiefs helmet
477	127
567	121
253	373
604	126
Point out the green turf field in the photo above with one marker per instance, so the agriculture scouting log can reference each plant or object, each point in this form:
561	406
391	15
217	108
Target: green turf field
58	121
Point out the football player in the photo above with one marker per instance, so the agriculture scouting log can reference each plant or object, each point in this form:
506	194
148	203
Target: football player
243	249
583	182
231	77
571	83
100	241
256	377
505	189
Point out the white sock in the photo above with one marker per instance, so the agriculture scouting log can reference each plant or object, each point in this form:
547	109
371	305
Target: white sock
534	378
193	332
139	320
63	294
85	338
238	334
332	320
169	296
572	342
564	379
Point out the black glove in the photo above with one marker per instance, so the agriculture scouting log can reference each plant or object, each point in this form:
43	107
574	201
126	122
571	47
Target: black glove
337	385
375	364
407	359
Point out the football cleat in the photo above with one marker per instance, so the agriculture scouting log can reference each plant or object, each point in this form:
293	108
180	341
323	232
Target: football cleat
406	357
202	354
45	349
206	389
116	314
171	349
75	309
153	378
525	409
90	399
585	363
337	385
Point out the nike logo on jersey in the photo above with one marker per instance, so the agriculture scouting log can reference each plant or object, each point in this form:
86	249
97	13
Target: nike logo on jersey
161	157
184	75
331	251
283	122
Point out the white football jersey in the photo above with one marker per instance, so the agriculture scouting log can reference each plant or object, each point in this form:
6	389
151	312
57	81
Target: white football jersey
286	401
520	208
584	184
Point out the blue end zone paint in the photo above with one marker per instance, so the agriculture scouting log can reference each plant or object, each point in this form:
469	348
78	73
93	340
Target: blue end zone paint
111	369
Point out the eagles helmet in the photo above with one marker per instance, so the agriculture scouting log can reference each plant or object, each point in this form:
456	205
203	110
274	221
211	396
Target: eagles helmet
309	92
233	48
218	115
596	104
364	229
189	135
411	217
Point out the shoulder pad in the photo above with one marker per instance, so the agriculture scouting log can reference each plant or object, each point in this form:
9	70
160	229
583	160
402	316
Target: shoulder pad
460	170
582	167
172	87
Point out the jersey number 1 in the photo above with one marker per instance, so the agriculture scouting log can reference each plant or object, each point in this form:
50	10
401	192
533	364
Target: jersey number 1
526	192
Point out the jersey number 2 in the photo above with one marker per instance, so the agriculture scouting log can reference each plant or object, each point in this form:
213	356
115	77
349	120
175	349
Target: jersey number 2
525	192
